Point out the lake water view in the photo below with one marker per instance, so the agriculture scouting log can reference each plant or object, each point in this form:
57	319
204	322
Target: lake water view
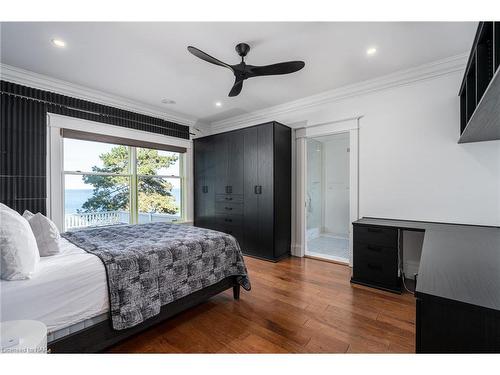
75	198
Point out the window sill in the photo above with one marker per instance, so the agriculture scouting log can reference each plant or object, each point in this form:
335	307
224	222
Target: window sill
184	222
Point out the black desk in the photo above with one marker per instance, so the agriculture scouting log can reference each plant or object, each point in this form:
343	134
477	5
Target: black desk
458	288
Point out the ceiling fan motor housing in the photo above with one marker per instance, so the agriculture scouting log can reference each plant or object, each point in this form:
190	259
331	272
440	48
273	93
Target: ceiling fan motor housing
242	49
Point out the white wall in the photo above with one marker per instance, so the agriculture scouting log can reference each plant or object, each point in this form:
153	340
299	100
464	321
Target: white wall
410	164
336	189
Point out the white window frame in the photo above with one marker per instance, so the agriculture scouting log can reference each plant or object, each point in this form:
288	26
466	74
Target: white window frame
55	158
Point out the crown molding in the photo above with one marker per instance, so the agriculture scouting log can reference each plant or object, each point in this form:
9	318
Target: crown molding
44	82
427	71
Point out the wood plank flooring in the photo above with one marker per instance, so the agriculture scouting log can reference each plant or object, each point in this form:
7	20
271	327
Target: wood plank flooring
296	306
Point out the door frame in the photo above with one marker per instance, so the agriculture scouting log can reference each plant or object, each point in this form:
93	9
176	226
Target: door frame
349	125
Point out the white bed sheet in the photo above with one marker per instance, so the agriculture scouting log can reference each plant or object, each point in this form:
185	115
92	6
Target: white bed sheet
66	288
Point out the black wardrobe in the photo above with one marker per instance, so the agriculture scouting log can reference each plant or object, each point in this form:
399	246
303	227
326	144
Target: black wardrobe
242	184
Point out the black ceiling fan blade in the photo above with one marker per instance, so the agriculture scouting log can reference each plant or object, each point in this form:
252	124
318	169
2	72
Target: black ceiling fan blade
205	56
280	68
238	85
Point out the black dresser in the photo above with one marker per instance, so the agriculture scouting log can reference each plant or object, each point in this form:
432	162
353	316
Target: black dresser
375	257
242	185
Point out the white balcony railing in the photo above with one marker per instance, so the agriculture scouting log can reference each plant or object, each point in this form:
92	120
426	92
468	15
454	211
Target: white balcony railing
93	219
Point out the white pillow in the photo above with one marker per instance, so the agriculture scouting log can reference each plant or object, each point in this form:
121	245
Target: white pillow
46	233
18	250
28	215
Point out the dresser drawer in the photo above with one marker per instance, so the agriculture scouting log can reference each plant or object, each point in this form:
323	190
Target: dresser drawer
363	250
228	220
377	270
230	198
233	230
229	208
377	236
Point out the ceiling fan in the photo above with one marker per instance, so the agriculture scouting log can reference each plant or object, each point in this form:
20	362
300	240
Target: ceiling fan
243	71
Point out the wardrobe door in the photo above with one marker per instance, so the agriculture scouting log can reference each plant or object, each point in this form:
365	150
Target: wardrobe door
199	182
266	190
204	189
235	145
209	178
221	163
282	189
251	241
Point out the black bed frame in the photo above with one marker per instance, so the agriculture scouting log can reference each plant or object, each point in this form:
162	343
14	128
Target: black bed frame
102	335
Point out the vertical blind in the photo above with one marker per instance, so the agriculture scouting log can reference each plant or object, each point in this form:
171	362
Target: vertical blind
23	149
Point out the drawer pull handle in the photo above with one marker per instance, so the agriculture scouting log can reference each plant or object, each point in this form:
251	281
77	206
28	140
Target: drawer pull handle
228	208
374	267
375	249
229	199
374	230
228	220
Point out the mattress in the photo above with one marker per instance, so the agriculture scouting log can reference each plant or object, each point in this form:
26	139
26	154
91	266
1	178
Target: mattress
67	292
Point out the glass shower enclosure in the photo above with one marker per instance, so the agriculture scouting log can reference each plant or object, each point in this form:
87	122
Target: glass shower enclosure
327	197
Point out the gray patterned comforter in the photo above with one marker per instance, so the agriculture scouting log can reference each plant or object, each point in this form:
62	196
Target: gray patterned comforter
150	265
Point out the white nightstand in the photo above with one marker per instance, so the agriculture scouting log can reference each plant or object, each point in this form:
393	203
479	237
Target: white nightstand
23	336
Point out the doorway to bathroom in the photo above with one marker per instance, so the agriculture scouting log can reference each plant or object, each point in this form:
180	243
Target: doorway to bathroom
327	197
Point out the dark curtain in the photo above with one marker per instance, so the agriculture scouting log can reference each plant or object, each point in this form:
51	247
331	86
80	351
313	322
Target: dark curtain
23	149
23	138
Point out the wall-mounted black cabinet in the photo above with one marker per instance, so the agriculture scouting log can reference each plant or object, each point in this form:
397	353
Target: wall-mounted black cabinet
243	187
480	90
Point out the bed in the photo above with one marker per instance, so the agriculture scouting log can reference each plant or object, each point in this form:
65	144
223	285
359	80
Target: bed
72	294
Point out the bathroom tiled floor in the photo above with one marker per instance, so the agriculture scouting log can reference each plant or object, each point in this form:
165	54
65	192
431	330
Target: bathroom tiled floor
329	245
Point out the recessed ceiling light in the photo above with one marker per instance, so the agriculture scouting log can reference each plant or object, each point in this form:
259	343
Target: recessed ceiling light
168	101
371	51
218	104
58	43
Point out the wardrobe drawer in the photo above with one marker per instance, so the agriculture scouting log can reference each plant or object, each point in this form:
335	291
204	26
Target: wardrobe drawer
230	198
233	230
376	270
229	208
228	220
378	236
363	250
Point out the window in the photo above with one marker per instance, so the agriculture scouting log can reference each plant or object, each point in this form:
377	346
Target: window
106	184
158	185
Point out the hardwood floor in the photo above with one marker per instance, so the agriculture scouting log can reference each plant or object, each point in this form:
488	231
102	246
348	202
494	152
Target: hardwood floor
295	306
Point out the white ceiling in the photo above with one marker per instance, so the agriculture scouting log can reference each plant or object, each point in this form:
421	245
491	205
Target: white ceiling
149	61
